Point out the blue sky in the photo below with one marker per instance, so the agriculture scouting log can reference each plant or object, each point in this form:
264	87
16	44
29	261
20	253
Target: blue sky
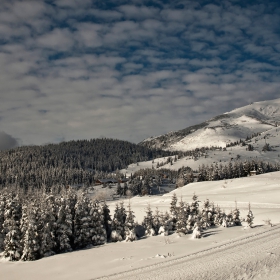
130	69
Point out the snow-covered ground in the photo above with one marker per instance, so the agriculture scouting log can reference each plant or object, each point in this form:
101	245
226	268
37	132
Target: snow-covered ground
222	253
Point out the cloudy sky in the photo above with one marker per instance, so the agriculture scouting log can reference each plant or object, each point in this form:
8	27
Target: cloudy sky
73	69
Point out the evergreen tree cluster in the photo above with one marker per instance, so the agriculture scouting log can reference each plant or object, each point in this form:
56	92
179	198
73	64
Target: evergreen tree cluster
234	169
185	218
144	181
34	225
40	224
69	163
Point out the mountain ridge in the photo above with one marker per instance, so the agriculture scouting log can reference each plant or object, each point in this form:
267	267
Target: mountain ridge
222	129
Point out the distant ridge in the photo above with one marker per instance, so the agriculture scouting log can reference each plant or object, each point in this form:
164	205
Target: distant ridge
222	129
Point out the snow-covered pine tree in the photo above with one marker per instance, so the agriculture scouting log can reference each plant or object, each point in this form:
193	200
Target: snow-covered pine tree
2	212
205	214
250	217
181	224
167	224
83	223
48	226
64	226
99	235
236	216
174	209
156	221
148	222
194	207
197	230
130	225
218	216
118	224
31	236
107	219
11	229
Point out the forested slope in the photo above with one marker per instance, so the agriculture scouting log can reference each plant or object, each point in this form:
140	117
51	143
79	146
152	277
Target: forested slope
73	162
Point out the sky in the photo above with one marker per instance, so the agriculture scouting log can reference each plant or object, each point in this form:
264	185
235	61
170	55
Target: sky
122	69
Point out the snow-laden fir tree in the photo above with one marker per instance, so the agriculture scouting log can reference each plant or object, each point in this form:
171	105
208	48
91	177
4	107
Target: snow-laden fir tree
174	209
11	229
181	224
48	226
156	221
130	225
118	223
194	207
197	230
206	214
2	212
64	231
99	234
166	224
148	222
224	219
83	222
107	220
236	216
31	235
250	217
218	216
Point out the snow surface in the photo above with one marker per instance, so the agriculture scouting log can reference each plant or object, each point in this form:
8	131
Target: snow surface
222	253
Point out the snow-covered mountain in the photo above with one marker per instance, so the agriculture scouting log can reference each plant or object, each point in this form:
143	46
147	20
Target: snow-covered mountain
223	129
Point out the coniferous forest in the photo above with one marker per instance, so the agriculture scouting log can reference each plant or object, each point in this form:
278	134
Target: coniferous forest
38	224
70	163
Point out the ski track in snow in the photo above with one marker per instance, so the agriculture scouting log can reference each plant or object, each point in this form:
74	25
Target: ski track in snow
256	256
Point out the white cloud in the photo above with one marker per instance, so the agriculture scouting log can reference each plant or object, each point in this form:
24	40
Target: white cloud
74	70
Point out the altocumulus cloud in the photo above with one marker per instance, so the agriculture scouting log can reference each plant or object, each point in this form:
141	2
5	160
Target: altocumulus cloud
130	69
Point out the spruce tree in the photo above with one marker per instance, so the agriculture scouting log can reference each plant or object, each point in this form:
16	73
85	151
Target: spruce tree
250	217
148	222
181	224
83	223
99	234
173	209
64	231
11	229
31	234
130	225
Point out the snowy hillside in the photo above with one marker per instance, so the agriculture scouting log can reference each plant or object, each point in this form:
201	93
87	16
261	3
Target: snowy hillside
220	130
270	138
222	253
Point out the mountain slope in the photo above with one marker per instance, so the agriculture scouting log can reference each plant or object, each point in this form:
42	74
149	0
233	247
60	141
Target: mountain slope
221	130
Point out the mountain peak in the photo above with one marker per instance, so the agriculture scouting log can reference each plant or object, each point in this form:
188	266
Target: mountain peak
222	129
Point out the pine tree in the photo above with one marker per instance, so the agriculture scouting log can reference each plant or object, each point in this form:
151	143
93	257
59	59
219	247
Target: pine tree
130	225
11	229
99	234
156	221
2	212
64	227
174	209
250	217
181	224
48	227
107	220
148	222
236	216
83	223
118	224
31	235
